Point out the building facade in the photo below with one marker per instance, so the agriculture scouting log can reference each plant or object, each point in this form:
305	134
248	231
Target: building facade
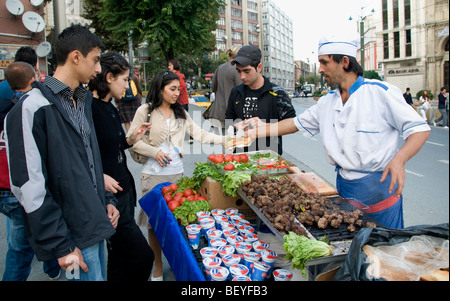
278	46
21	24
263	24
407	43
239	24
56	16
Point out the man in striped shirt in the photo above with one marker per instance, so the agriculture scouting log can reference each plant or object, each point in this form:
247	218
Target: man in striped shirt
55	164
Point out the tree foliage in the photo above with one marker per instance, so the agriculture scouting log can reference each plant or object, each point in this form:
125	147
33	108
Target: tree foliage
371	74
175	26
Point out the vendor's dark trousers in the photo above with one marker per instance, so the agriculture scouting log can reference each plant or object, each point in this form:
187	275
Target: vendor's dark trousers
130	257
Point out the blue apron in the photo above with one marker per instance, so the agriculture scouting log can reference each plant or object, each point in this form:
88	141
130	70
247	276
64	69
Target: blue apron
373	198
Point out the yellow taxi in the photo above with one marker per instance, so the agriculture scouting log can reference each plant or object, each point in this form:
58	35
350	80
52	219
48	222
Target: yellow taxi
201	100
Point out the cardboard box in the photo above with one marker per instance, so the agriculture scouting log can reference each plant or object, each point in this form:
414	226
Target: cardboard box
212	191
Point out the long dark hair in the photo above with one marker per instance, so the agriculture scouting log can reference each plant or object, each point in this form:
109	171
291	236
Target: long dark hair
154	97
113	63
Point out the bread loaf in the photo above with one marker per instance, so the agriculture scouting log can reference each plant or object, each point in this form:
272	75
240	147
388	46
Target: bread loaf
436	275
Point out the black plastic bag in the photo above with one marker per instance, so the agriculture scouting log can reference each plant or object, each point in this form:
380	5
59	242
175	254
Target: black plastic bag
355	265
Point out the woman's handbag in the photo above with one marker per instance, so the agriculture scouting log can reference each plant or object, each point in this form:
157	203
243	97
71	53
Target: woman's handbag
426	105
141	159
208	110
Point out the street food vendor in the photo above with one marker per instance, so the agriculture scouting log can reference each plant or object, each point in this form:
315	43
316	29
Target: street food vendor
359	123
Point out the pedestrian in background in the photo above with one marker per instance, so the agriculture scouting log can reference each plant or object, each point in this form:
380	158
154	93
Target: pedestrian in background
56	171
174	66
19	76
163	146
24	54
424	104
225	79
407	96
127	108
442	108
129	255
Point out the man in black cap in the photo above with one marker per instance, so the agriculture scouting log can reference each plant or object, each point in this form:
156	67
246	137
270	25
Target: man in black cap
257	97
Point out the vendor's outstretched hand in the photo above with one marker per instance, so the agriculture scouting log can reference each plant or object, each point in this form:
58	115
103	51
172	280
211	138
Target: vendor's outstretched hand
250	123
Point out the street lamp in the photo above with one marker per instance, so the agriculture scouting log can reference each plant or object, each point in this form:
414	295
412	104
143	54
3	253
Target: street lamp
315	83
362	16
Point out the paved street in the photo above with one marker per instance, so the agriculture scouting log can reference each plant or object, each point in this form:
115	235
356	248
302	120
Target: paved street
426	195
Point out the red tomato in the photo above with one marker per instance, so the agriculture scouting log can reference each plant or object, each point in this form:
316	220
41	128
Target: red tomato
211	157
270	164
177	197
172	205
191	198
188	192
183	199
220	155
229	167
201	198
168	197
173	187
244	158
228	158
165	190
196	196
237	159
218	160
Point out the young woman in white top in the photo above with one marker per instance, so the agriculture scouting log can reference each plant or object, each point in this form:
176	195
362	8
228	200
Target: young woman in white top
424	104
164	144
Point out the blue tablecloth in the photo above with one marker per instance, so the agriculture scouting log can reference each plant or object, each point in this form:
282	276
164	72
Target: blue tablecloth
177	251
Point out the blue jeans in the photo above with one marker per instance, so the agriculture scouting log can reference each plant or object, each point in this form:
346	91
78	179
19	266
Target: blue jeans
443	117
95	259
20	254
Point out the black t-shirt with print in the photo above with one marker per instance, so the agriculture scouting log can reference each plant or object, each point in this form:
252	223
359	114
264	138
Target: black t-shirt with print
270	103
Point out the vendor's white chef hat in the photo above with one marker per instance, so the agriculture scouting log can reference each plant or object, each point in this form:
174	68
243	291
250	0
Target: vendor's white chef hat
345	43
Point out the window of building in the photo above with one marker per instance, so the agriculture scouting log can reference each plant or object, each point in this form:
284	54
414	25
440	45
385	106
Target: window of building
252	16
395	13
408	46
252	5
252	27
386	46
407	12
236	24
220	33
221	21
396	44
221	45
237	35
385	15
236	2
252	38
236	12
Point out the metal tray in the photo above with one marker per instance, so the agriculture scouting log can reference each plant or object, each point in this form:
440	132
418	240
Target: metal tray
264	219
269	172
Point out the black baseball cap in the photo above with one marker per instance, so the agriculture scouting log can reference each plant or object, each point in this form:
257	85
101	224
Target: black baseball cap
246	55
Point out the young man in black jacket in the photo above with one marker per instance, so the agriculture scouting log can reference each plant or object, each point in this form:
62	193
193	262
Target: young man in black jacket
55	164
442	108
257	97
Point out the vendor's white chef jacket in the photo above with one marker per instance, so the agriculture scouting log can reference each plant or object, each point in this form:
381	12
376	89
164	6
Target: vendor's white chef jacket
361	136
